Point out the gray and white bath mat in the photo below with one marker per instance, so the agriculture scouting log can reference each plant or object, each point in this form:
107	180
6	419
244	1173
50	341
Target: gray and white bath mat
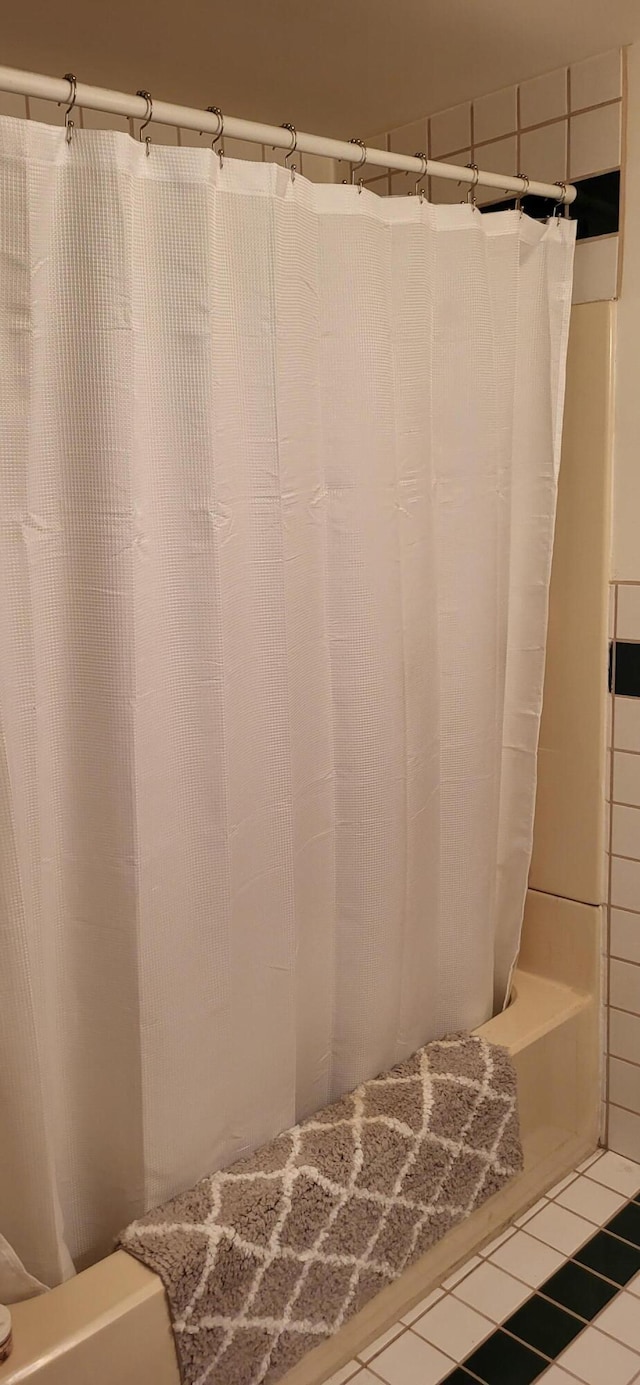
265	1259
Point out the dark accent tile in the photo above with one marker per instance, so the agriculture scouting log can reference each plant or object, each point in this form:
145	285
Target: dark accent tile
626	1223
596	208
610	1257
626	668
544	1326
610	683
503	1361
579	1290
459	1377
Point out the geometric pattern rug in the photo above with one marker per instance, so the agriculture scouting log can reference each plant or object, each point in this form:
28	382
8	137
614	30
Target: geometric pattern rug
264	1260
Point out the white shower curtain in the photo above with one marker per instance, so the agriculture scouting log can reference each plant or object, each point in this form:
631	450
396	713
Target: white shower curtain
277	483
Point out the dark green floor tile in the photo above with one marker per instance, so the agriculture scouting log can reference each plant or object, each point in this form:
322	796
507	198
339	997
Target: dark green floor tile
503	1361
579	1290
459	1377
608	1256
544	1326
626	1223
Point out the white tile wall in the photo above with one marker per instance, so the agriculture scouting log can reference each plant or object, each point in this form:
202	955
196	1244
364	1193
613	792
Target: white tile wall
624	900
543	98
595	141
537	130
626	777
501	156
596	79
595	269
450	130
495	115
543	152
628	613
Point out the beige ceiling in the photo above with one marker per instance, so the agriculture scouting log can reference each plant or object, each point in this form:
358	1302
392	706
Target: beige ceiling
335	67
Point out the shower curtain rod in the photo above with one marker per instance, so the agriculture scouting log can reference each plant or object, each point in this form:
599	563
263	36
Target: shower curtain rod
63	91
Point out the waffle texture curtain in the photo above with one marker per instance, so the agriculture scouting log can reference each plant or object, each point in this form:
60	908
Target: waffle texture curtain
278	471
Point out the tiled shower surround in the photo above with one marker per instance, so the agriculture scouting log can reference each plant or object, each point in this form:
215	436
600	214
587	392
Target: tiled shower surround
566	124
622	872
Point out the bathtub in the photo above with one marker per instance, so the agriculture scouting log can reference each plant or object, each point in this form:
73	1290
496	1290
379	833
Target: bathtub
111	1322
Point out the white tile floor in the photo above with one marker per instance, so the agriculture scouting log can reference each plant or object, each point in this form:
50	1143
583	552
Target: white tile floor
426	1346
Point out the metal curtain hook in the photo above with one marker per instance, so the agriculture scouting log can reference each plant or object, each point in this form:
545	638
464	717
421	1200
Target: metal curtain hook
217	143
363	159
70	78
523	192
147	119
291	151
562	202
419	191
471	195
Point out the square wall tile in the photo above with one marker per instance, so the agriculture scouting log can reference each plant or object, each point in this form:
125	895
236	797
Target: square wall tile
595	270
494	115
595	141
46	112
319	169
625	885
527	1259
625	934
591	1200
616	1172
624	1132
624	986
626	730
13	104
498	157
410	1360
596	79
244	149
626	778
408	139
624	1037
624	1084
628	621
543	98
543	153
560	1228
597	1359
450	130
454	1327
621	1320
492	1292
625	839
442	190
103	120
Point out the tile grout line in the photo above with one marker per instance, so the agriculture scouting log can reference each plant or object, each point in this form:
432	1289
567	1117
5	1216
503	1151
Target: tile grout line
534	1292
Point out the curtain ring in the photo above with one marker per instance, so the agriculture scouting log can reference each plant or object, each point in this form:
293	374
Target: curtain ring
418	191
523	192
363	159
561	201
291	151
471	195
147	119
70	78
218	138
